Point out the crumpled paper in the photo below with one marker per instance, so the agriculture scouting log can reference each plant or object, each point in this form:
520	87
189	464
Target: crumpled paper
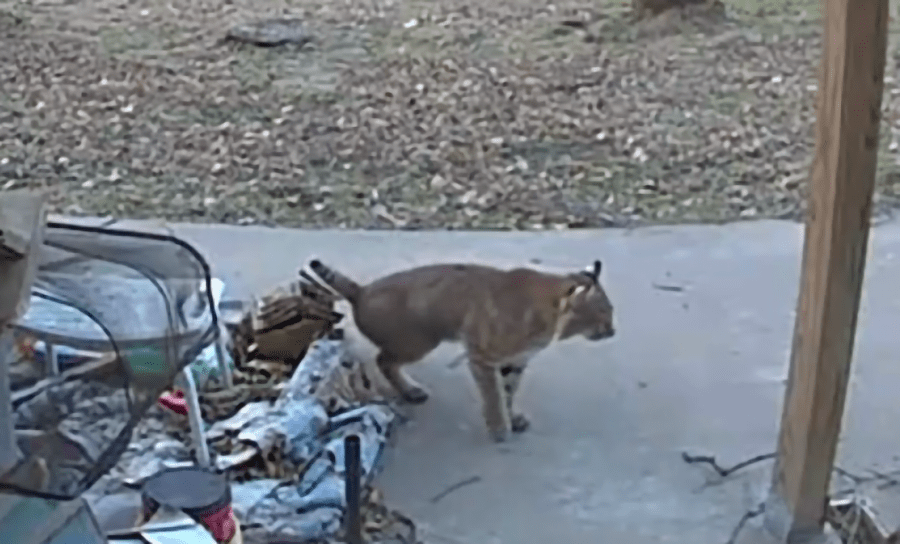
309	504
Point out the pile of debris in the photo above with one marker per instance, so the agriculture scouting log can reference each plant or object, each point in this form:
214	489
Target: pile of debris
278	431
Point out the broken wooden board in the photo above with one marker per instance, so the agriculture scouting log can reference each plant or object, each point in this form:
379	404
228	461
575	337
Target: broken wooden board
107	369
856	522
22	218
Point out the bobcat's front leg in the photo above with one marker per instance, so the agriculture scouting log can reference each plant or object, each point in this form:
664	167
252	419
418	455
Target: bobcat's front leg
494	408
511	374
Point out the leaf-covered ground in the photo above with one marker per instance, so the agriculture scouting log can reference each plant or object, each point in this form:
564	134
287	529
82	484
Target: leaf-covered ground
416	114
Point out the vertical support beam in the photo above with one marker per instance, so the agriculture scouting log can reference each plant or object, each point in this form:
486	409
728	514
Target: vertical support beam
22	218
837	230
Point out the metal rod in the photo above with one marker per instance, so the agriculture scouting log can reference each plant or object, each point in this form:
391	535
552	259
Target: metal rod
353	489
224	367
198	437
51	361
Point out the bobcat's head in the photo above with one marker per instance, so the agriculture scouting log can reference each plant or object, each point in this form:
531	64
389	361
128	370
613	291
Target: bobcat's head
588	311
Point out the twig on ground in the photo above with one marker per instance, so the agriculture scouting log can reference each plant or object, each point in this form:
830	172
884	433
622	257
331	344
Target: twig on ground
458	485
724	472
855	478
887	479
458	360
670	288
748	515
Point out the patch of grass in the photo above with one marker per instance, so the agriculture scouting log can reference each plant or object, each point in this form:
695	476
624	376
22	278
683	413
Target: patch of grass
430	41
886	166
681	112
213	115
116	40
550	41
731	103
777	17
811	8
14	16
250	67
12	105
309	73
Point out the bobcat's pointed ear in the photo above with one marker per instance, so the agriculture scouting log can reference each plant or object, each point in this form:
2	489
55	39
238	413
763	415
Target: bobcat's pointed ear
575	289
572	291
594	272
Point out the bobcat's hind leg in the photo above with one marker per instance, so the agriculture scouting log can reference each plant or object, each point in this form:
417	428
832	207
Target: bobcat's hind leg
494	405
391	365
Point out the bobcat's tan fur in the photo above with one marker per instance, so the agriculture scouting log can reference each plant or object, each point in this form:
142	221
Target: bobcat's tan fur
502	318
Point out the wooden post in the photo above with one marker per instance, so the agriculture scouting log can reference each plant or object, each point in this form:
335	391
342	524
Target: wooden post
837	229
22	220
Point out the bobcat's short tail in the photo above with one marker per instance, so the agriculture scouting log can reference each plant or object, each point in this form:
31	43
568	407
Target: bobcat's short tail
343	285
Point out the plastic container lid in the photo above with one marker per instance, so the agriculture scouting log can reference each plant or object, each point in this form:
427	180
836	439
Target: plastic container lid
195	491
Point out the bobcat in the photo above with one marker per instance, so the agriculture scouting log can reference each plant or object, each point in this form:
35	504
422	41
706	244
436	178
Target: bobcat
502	317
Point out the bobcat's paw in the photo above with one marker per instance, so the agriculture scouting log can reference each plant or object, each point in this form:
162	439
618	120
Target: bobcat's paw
415	395
520	423
499	435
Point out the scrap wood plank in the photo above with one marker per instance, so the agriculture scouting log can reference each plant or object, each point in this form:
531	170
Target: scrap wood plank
856	522
22	218
837	230
108	368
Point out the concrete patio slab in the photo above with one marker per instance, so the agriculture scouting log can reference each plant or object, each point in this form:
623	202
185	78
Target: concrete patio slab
704	320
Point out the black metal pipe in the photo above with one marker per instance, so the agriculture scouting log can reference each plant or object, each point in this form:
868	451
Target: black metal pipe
353	489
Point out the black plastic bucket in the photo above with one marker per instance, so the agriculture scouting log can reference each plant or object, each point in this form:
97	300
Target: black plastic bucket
197	492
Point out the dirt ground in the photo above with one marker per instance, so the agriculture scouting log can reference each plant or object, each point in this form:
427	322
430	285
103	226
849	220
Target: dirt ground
416	114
